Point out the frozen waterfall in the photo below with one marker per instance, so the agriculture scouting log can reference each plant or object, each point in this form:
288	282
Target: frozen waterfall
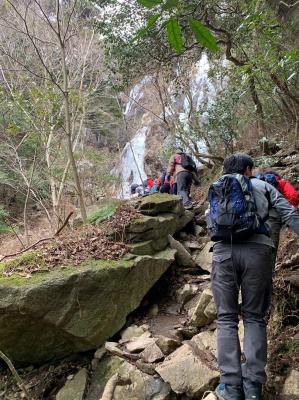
136	95
131	165
203	91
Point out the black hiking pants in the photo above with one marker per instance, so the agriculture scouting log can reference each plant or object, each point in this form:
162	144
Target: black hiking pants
184	182
247	266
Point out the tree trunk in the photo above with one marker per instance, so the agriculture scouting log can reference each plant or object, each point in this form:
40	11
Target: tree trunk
25	219
69	135
259	109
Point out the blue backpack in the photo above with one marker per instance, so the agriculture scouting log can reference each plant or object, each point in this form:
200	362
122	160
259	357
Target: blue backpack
268	177
233	213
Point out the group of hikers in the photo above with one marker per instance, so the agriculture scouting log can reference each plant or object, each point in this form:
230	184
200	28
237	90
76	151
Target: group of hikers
181	172
244	219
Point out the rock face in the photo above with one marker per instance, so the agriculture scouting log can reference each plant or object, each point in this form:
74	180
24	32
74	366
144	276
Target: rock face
74	310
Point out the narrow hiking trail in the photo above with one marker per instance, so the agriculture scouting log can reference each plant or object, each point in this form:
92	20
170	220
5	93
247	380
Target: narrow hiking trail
173	332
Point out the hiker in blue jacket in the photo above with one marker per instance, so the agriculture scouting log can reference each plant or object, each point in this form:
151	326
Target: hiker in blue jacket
244	263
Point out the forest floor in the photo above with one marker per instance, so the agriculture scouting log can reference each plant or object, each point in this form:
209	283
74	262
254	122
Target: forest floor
71	247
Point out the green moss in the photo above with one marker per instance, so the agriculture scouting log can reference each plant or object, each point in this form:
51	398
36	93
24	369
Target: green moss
103	213
291	347
28	259
16	280
105	263
159	198
138	221
38	277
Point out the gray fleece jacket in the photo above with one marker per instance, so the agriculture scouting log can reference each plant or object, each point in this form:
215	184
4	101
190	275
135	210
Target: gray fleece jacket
266	197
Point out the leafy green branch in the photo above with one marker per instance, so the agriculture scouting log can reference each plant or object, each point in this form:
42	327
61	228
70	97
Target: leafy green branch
177	24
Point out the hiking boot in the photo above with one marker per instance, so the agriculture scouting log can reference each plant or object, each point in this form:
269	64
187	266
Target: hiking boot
229	392
252	390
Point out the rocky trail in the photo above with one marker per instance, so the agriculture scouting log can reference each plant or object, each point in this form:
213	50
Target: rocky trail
141	327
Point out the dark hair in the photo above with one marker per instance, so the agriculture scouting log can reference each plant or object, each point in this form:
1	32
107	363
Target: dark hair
237	163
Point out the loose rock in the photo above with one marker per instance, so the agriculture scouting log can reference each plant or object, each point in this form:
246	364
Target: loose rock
204	257
74	389
131	332
291	385
199	318
167	345
140	343
147	368
199	230
183	256
188	372
186	293
152	353
80	308
100	352
210	396
143	386
210	311
206	341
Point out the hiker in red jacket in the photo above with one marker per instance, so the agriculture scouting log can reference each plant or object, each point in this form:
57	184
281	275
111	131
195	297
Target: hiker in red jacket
288	191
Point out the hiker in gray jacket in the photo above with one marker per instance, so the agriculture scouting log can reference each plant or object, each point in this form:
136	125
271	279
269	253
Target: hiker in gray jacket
247	265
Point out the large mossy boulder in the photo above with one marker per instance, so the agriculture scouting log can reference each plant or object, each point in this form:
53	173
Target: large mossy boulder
160	215
71	310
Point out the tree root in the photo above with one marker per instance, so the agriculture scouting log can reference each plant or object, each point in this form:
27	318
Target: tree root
115	380
122	354
15	375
